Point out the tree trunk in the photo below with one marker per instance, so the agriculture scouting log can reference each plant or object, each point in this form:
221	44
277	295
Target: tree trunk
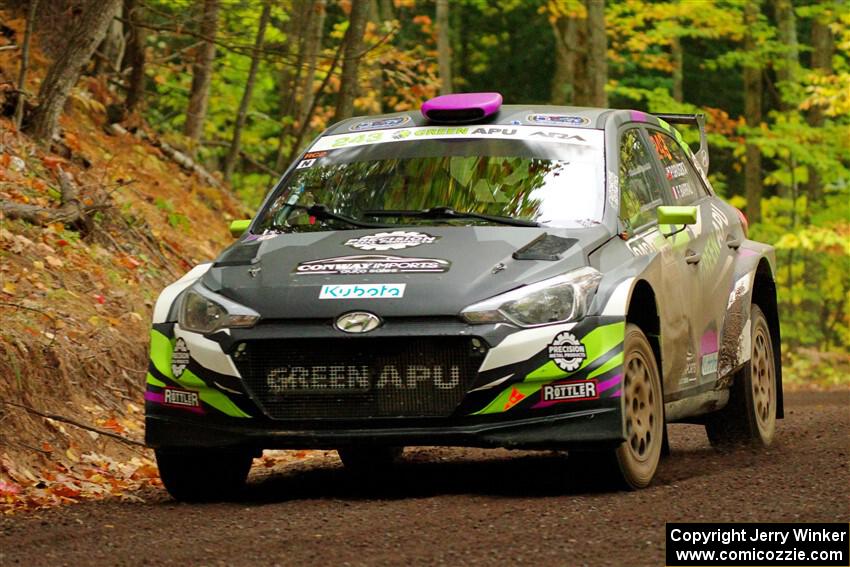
387	11
110	52
312	47
597	54
753	182
444	48
351	58
786	23
202	71
85	35
822	50
134	56
676	56
296	34
242	114
788	69
561	91
25	61
577	43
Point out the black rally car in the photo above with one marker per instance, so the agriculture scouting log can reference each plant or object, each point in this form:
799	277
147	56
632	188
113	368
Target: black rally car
471	274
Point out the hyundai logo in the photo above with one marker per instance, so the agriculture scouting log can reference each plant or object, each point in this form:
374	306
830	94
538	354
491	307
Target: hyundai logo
358	322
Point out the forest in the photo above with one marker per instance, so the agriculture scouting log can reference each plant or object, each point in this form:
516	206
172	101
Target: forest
132	131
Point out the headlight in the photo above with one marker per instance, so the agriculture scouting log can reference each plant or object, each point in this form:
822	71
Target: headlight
556	300
203	311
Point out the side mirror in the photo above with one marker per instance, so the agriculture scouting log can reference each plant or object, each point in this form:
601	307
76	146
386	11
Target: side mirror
677	215
238	227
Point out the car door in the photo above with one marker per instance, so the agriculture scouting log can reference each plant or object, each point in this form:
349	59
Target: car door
710	250
641	192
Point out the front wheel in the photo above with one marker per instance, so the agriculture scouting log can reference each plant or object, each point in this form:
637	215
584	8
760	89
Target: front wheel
750	416
634	462
203	475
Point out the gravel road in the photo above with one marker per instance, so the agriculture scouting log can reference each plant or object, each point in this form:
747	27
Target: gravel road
462	507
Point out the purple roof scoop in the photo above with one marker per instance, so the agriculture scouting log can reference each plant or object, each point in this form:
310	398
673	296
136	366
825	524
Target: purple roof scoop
461	108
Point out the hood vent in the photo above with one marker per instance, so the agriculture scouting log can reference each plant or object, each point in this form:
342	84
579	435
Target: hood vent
545	247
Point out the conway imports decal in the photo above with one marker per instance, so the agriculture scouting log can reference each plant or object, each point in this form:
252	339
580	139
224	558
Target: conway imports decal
559	134
373	264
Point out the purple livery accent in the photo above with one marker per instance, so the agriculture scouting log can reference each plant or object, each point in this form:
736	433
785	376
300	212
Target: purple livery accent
155	397
708	342
616	394
746	252
608	384
638	116
159	398
466	107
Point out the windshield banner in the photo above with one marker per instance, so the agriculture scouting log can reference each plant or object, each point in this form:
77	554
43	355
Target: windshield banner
574	136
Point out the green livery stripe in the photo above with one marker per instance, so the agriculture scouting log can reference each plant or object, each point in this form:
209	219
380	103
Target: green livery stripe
502	400
161	351
597	342
210	396
615	361
153	381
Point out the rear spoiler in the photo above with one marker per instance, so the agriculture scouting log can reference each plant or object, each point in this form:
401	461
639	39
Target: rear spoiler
697	120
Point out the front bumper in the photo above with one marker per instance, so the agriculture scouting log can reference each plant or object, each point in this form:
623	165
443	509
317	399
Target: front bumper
522	395
584	428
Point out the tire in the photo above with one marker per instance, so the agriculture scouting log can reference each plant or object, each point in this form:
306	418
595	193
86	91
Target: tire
369	460
633	463
203	475
750	416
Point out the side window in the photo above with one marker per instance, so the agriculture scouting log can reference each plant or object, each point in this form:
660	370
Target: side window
640	191
683	183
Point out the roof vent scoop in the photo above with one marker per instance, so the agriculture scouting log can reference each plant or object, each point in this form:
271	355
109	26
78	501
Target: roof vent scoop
461	108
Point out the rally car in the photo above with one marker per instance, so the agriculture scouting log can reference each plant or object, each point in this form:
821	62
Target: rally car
471	274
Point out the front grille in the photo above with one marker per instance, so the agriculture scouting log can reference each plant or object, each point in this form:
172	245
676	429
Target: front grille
354	378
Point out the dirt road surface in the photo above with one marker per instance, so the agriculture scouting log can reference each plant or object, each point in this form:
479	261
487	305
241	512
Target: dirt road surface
462	507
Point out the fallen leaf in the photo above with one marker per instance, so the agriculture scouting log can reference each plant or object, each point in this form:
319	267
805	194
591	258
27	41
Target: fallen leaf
54	262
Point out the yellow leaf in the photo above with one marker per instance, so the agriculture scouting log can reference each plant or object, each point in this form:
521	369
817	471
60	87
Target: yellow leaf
71	455
9	288
39	265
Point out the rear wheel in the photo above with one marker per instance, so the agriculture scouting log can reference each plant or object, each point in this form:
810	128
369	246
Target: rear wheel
365	460
633	463
202	475
750	416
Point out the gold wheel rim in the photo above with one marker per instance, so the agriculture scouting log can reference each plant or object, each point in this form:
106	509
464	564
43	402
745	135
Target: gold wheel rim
643	416
762	379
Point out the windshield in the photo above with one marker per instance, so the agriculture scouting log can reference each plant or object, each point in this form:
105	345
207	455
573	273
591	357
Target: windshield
554	183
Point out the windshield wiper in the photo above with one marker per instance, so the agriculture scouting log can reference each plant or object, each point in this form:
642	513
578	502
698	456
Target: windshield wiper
322	212
448	213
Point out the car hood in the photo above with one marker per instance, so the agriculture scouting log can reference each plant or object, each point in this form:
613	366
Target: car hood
444	269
